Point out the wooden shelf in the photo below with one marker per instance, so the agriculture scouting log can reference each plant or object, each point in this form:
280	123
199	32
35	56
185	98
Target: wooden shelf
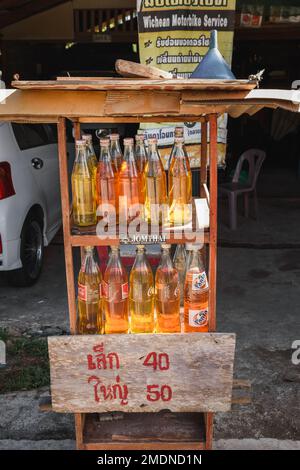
86	236
164	430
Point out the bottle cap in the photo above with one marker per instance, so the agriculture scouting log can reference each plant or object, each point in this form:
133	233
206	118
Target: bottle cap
104	142
128	141
80	142
179	131
140	247
179	140
140	137
165	246
114	136
87	137
152	140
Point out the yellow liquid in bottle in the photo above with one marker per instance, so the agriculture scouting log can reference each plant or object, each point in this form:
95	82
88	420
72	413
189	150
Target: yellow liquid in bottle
167	301
141	298
90	320
180	192
84	200
156	194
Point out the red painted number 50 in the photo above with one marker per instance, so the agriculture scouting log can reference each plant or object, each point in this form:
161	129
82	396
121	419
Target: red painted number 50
155	393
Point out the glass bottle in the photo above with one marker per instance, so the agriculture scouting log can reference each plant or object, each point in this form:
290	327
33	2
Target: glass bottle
106	183
91	154
129	182
167	295
116	152
195	294
141	294
83	189
141	160
90	319
180	185
179	261
115	294
155	186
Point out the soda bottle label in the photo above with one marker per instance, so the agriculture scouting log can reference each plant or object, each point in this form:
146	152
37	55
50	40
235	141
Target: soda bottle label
199	281
125	290
82	292
104	290
164	292
198	318
150	291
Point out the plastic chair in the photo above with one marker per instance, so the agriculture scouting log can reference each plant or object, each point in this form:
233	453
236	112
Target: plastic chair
255	158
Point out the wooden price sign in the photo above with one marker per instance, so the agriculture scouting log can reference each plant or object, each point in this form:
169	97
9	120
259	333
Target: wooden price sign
142	373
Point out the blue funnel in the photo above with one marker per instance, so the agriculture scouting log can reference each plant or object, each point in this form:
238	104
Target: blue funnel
213	64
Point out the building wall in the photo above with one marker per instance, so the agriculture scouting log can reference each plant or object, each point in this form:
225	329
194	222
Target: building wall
57	23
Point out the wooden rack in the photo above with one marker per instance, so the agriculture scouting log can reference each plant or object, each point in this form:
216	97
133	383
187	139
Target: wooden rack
122	101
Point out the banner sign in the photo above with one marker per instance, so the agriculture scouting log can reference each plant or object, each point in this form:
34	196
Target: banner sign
174	36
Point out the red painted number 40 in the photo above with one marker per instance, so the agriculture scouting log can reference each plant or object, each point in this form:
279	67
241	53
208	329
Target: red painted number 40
157	361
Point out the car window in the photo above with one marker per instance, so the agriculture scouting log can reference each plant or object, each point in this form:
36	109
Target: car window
30	135
70	138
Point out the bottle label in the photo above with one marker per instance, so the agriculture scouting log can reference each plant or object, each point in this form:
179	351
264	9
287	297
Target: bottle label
104	290
150	291
82	292
165	292
125	290
198	318
199	281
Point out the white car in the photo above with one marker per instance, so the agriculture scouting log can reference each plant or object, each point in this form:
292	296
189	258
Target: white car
30	209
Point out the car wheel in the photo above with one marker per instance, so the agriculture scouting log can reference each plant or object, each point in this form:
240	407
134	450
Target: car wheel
31	254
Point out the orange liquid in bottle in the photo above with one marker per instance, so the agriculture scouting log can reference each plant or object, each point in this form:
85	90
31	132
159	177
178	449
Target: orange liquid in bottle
115	295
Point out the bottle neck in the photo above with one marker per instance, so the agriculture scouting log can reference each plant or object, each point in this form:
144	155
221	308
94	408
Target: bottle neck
89	264
166	261
153	152
81	155
105	155
140	149
129	153
195	260
115	147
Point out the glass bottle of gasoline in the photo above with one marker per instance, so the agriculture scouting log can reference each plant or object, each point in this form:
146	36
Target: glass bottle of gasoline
179	261
167	295
195	294
90	318
106	184
116	152
141	160
141	294
180	185
91	154
83	188
129	182
115	294
155	186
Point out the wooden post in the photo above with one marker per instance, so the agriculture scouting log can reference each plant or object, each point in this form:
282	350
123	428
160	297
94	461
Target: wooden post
203	168
65	206
213	227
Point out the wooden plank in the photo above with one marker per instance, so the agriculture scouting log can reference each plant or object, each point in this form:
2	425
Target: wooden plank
132	102
213	190
137	84
127	68
65	204
203	166
195	373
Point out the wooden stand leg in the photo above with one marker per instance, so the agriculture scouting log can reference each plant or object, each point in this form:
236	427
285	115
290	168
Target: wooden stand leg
203	168
213	186
65	206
